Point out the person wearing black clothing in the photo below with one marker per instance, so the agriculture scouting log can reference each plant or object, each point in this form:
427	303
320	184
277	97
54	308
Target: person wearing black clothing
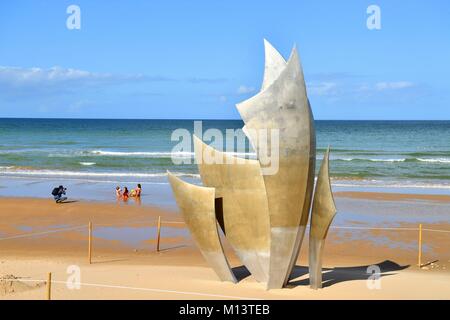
58	193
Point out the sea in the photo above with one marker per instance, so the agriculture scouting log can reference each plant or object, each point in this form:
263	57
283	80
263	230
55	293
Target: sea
95	155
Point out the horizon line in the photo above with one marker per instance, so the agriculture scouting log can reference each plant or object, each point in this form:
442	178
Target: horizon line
207	119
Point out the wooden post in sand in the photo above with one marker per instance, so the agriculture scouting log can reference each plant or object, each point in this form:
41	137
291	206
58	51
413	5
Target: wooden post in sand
158	237
49	286
90	243
420	246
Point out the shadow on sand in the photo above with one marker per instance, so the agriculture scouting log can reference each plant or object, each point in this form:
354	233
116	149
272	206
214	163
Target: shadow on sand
240	273
99	261
67	201
173	247
331	276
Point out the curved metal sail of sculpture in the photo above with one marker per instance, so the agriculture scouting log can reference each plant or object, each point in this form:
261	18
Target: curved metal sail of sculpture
240	188
283	105
323	212
274	64
197	207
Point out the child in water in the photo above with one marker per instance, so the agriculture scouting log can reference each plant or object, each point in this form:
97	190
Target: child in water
118	192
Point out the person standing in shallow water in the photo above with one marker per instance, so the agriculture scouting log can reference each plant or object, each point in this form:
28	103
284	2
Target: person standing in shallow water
136	192
125	194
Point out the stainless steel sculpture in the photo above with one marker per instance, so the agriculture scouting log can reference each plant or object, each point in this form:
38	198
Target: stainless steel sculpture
245	214
197	207
284	106
264	216
323	212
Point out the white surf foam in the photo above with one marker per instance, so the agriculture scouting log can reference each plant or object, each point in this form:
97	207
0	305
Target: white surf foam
141	153
439	160
11	171
87	163
389	184
157	154
371	159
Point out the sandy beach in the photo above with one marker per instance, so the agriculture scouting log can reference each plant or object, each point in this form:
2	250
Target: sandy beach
125	264
313	135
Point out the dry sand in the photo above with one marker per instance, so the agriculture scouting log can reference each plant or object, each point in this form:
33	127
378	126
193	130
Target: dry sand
178	271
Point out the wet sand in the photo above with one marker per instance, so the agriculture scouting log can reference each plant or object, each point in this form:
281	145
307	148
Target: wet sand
179	266
388	196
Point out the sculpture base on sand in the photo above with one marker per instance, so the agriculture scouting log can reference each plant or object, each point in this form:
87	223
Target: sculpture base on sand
315	262
285	239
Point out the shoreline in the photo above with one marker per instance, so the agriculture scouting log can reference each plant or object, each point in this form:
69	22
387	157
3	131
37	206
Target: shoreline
362	195
157	191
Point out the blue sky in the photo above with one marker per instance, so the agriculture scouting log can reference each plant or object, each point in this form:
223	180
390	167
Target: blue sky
196	59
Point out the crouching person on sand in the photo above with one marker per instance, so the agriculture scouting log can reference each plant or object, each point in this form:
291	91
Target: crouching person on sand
58	194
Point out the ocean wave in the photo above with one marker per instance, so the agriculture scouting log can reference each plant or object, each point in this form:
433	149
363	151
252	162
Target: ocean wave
371	160
158	178
185	154
391	158
87	163
150	154
427	154
62	143
118	154
158	154
387	184
62	173
363	181
439	160
84	180
430	160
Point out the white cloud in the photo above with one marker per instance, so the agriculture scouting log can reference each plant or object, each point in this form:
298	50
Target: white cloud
322	88
338	90
245	89
16	82
397	85
206	80
29	77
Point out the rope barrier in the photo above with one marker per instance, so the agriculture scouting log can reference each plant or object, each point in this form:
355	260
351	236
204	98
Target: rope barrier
124	222
387	228
436	230
34	234
356	228
98	285
134	222
25	235
173	222
373	228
